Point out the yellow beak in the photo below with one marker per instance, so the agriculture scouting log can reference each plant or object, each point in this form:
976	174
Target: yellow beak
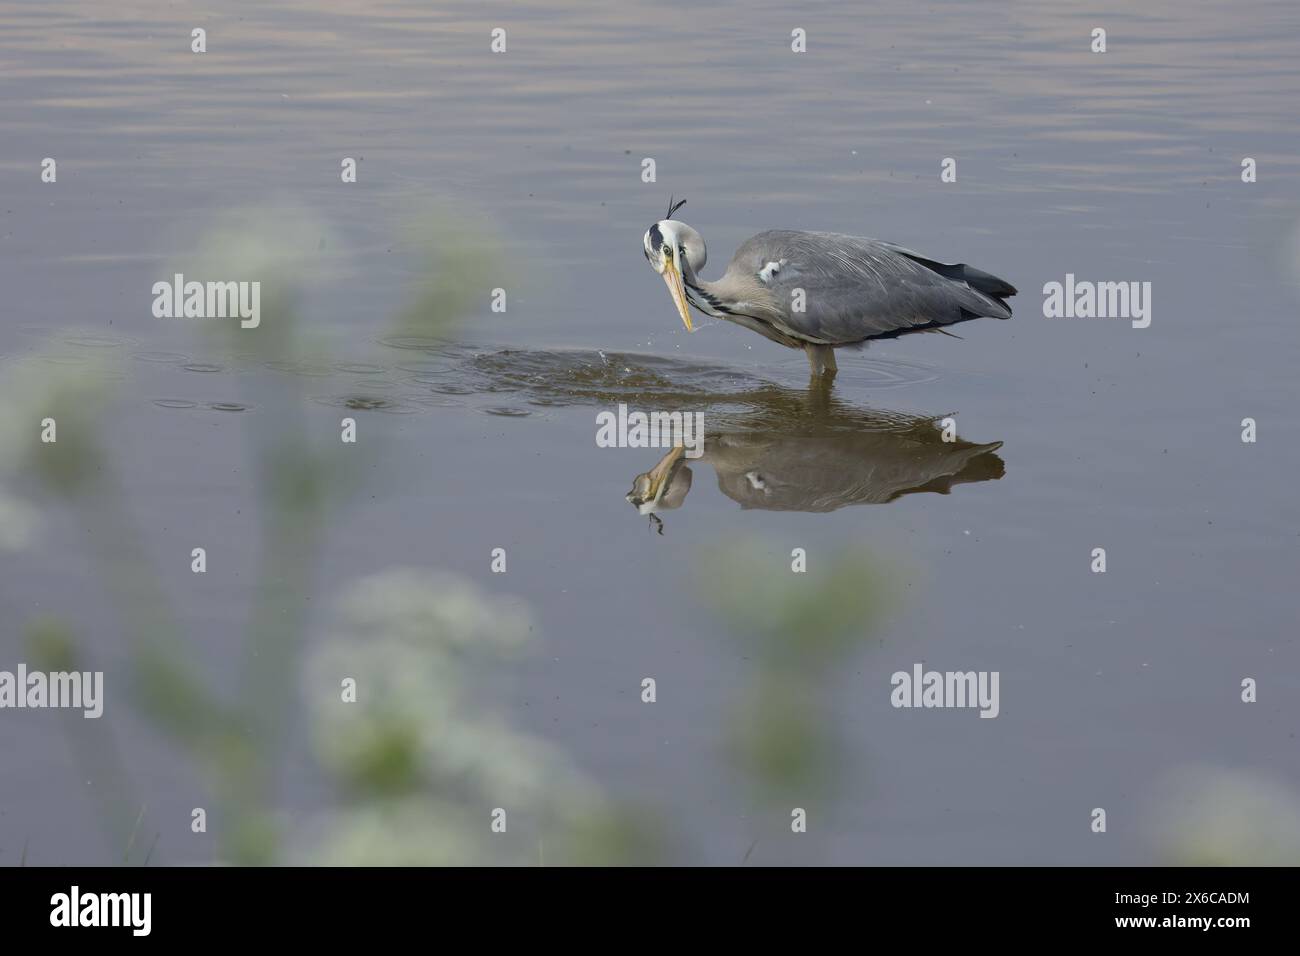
647	489
677	287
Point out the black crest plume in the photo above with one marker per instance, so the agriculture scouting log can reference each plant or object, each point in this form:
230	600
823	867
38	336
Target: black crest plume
673	207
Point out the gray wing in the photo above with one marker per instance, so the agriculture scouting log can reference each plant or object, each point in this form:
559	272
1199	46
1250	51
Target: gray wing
857	288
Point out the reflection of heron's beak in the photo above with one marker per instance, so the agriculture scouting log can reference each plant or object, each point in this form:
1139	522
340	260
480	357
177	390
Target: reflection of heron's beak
677	287
650	487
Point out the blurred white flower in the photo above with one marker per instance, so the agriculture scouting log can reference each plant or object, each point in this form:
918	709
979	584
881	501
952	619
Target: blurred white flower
71	389
419	740
431	610
18	522
1210	816
269	244
411	831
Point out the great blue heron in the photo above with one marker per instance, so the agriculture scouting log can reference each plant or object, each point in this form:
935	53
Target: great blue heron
819	291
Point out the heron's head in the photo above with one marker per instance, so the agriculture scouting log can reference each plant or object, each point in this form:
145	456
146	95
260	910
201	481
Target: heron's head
664	486
676	252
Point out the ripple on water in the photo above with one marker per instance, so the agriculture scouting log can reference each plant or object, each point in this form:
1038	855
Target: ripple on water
300	368
227	407
417	343
202	367
437	383
435	401
174	403
559	377
360	368
426	367
366	403
451	388
168	358
504	411
561	374
97	341
884	373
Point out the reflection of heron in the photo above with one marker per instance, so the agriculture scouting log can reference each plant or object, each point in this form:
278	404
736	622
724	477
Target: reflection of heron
772	447
819	291
822	460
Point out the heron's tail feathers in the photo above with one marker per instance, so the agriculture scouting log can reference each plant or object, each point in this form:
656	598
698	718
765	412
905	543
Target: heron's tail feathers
993	290
985	282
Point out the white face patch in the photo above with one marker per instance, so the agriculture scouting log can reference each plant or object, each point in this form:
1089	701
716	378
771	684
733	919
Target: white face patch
769	270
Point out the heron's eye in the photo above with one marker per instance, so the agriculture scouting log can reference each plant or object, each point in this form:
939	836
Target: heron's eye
668	250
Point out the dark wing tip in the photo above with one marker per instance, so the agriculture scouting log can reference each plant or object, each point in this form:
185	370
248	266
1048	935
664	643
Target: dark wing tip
987	283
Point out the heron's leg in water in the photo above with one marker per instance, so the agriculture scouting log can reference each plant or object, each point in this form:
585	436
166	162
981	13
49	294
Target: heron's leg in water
821	358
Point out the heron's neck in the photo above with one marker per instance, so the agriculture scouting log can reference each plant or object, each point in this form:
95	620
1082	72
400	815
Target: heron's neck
730	295
715	298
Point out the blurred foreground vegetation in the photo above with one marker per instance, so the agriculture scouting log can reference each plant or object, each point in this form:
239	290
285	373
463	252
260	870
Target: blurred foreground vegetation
416	764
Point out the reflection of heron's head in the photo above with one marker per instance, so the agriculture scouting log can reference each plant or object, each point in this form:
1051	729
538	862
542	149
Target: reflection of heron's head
663	487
